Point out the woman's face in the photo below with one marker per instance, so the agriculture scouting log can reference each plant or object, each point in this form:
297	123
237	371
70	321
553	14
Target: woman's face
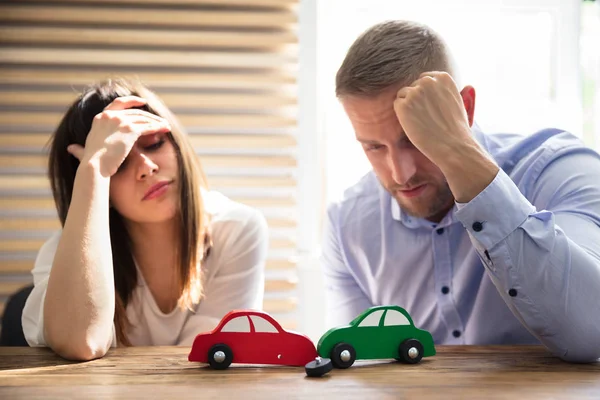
145	189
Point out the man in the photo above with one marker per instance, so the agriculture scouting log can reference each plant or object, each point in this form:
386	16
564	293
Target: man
483	239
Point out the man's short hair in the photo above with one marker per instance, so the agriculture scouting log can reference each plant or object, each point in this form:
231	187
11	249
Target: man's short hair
389	54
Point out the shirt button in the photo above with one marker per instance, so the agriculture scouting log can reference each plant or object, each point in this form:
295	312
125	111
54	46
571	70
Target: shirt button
477	226
440	231
445	290
512	292
456	334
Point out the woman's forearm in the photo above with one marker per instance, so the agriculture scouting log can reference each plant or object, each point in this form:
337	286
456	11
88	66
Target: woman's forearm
80	300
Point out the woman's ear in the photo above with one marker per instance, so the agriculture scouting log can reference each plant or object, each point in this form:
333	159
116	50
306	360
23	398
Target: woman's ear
468	96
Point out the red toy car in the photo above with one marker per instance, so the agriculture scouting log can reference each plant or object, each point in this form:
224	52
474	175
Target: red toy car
251	337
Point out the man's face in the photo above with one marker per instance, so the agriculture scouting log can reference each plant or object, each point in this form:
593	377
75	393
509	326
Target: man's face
411	178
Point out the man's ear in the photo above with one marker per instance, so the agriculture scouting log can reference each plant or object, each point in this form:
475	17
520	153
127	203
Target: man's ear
468	96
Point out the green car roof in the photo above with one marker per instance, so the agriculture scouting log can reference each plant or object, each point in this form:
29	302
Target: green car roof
377	334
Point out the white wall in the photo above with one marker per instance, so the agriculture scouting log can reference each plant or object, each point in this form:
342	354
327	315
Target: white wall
311	178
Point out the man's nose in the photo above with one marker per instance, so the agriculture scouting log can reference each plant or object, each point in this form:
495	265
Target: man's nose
402	165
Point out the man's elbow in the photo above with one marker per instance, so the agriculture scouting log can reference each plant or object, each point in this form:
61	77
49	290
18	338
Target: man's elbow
584	352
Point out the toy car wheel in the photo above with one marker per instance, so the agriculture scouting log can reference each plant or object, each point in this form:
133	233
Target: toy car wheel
343	355
410	351
220	356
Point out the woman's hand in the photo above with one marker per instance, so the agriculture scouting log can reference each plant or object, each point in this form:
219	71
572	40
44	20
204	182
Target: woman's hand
114	132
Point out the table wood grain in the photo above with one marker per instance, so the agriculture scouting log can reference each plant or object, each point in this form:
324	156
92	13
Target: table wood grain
456	372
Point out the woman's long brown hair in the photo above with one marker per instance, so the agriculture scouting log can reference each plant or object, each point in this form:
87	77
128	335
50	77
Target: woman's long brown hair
194	225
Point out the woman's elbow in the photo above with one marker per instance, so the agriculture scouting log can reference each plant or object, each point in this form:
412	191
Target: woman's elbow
77	347
80	350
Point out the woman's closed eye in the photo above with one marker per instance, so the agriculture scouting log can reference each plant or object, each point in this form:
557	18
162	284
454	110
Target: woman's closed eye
154	146
148	143
151	142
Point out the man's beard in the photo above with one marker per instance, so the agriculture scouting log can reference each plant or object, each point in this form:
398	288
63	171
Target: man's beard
434	207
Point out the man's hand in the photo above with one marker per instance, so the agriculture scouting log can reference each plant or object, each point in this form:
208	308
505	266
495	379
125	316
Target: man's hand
432	114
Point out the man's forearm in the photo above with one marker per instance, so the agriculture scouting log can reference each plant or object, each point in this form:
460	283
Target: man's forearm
549	281
468	170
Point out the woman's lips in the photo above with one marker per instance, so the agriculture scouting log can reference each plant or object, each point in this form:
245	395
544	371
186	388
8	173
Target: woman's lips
157	190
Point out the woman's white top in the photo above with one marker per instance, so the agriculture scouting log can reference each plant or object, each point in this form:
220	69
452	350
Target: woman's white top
233	279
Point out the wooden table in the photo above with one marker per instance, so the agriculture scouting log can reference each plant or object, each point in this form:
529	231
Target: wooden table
456	372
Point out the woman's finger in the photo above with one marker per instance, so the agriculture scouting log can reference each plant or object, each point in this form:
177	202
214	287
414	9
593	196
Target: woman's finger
141	126
125	102
136	113
76	151
148	129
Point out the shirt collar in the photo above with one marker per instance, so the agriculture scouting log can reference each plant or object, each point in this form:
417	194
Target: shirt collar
415	222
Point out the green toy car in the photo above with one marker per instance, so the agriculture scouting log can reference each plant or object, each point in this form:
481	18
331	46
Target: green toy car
378	333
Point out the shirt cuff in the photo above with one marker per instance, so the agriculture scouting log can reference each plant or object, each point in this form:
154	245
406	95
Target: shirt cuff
495	212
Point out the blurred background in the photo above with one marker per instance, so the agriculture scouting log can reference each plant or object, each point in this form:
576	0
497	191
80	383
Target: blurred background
253	83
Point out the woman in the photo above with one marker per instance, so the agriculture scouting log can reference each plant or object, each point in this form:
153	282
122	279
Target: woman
146	255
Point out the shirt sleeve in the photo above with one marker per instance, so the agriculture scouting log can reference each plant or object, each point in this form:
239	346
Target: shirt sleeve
32	318
545	259
345	299
238	282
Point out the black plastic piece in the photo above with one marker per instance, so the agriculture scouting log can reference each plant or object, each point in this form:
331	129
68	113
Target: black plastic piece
318	367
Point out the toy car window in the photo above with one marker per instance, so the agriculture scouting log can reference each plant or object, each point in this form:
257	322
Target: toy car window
394	317
237	324
262	325
372	319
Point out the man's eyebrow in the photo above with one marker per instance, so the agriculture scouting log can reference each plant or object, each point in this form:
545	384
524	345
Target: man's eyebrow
367	141
403	139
